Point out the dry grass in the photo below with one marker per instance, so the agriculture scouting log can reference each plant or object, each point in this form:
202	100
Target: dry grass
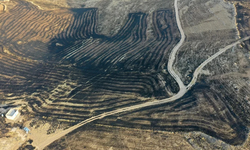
117	138
50	4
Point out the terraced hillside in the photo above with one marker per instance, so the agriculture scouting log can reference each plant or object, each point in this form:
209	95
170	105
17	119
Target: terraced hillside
119	138
203	109
62	67
129	50
25	28
58	63
227	76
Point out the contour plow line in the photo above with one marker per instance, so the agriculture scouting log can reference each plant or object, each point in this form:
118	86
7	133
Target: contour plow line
183	88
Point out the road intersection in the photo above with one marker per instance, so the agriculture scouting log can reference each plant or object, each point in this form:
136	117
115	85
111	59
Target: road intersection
183	89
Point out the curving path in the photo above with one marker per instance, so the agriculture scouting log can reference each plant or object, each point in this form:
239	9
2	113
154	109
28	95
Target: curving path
175	49
183	88
199	69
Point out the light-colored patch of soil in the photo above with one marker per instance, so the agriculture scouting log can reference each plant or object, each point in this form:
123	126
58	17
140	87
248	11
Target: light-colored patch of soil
117	138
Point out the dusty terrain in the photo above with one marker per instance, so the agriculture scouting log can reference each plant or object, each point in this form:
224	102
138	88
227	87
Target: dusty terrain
120	138
1	8
50	4
235	89
242	18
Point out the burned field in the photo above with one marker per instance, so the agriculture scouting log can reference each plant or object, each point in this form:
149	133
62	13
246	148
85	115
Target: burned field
58	63
89	137
62	67
202	109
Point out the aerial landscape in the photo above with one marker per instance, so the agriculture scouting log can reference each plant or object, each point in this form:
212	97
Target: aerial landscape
123	74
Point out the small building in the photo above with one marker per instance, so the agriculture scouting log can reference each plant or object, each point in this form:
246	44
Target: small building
12	114
27	130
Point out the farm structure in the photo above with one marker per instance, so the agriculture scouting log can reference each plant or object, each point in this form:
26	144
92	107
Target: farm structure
12	114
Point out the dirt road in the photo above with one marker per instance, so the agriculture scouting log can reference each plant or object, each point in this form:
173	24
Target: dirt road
183	88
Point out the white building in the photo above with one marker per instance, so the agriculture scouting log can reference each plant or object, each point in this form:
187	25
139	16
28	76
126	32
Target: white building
12	114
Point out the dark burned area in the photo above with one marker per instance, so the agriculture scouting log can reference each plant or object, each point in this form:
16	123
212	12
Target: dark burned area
100	73
201	109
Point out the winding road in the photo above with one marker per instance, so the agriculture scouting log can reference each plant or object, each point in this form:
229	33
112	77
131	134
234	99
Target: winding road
199	69
183	88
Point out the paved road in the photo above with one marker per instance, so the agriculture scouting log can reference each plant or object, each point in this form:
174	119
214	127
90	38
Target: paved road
199	69
183	88
175	49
